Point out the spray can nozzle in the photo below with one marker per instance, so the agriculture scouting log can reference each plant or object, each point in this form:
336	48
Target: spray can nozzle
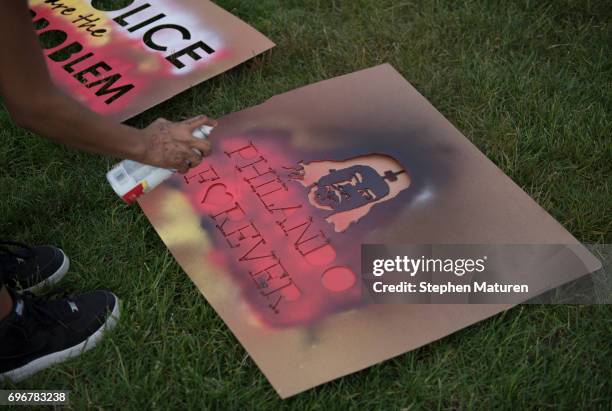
202	132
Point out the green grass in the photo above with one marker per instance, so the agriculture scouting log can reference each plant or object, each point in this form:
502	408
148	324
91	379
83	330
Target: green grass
528	82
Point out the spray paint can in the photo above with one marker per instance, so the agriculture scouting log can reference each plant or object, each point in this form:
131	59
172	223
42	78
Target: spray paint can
131	179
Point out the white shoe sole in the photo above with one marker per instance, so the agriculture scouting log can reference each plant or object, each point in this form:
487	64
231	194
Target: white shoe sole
54	278
41	363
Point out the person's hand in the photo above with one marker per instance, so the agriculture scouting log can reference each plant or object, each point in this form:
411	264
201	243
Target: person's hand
172	145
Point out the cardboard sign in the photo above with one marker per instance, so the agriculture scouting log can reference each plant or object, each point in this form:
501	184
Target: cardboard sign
120	60
270	226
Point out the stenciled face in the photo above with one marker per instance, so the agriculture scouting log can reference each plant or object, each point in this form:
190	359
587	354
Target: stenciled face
350	188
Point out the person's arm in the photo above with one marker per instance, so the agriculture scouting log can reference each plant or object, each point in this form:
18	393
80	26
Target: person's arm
35	103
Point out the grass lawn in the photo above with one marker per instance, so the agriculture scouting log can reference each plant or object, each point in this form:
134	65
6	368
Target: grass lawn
529	82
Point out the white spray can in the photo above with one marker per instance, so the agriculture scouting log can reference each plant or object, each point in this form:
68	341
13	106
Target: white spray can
131	179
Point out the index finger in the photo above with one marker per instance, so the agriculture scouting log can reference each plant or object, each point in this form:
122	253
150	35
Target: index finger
199	121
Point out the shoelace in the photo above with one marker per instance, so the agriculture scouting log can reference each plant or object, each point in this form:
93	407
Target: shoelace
36	308
12	254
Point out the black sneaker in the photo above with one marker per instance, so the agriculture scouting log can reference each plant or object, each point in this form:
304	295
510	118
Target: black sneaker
31	268
39	333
